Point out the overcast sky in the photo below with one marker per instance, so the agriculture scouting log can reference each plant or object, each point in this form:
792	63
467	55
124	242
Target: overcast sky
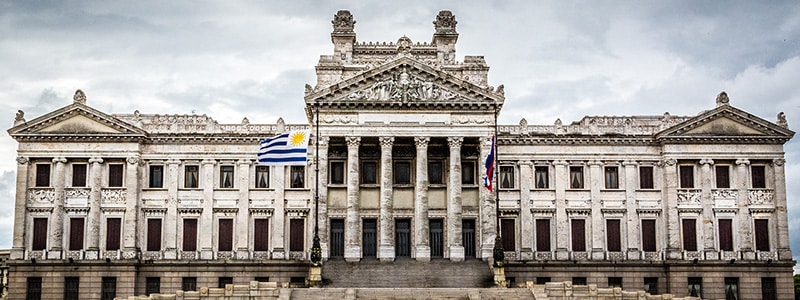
559	59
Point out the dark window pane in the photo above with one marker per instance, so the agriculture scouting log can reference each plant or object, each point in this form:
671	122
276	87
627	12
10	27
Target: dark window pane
223	281
225	242
542	235
646	177
153	234
612	177
34	288
115	175
79	175
337	238
42	175
508	234
71	288
156	177
261	234
189	284
759	180
541	177
191	177
369	238
262	177
435	175
613	235
695	286
108	289
576	177
578	235
337	172
152	286
113	226
189	235
76	233
578	280
226	177
762	234
731	288
296	235
651	285
369	172
39	234
768	288
468	172
725	234
649	235
506	177
723	179
402	172
615	282
298	177
687	177
689	235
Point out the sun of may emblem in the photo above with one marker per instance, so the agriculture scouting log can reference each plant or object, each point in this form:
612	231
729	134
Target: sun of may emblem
297	139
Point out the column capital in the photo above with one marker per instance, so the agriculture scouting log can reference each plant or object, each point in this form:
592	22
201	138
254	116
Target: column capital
706	161
560	162
244	162
524	162
594	163
353	141
173	161
60	159
96	160
323	141
742	162
455	141
629	162
204	162
133	159
421	141
22	160
670	161
779	162
386	141
486	141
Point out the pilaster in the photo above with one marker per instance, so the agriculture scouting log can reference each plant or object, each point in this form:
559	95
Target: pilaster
596	183
170	222
131	208
386	247
454	219
278	241
20	203
242	226
95	198
743	217
352	236
323	195
670	204
57	241
562	222
633	236
784	252
421	224
525	215
707	230
206	222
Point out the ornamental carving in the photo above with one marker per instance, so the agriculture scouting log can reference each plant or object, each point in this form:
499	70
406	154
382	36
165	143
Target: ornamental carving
113	196
132	160
343	22
455	142
386	141
462	119
77	193
41	195
79	97
339	119
353	141
445	22
760	197
724	194
670	161
22	160
421	141
403	87
689	196
779	161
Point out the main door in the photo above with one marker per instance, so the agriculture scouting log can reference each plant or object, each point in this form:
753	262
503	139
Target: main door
437	237
468	237
337	238
369	238
402	237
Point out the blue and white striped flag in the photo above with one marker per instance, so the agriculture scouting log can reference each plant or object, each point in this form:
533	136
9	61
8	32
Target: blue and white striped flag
287	149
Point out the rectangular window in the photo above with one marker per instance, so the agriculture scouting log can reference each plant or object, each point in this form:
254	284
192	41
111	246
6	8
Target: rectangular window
542	280
76	233
261	234
71	288
153	234
33	291
762	234
769	291
435	172
113	231
337	172
191	177
225	241
725	234
262	278
108	288
732	288
224	281
296	235
262	177
189	284
723	177
542	234
508	234
468	172
613	235
115	175
39	234
646	177
612	177
152	285
649	235
156	177
42	175
189	235
79	175
651	285
402	172
615	282
541	177
578	280
298	175
226	177
686	176
506	177
695	286
757	174
369	172
578	235
576	177
689	235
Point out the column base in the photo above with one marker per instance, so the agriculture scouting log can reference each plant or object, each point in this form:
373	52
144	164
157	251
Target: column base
242	253
562	254
352	253
784	254
748	254
634	255
17	253
711	254
456	253
487	251
54	254
91	254
206	254
386	252
598	254
674	254
526	254
278	253
170	253
423	253
129	253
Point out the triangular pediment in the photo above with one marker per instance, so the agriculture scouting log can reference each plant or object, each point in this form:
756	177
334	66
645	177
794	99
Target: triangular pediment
79	124
726	123
76	121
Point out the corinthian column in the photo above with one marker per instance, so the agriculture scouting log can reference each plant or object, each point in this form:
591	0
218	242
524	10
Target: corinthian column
352	247
421	229
670	207
323	195
18	250
131	208
57	219
95	198
784	253
745	233
386	250
454	201
488	228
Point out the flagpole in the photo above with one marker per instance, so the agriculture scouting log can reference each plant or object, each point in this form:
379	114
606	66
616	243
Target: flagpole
499	252
316	249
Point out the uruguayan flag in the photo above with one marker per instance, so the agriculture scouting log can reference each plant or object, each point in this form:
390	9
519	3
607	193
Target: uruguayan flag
287	149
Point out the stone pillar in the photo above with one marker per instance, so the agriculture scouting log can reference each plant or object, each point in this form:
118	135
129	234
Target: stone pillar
352	232
57	241
525	214
743	217
633	236
206	223
242	227
562	233
454	201
95	198
596	182
170	222
421	229
323	195
131	208
20	207
784	252
488	217
670	204
386	248
278	182
707	231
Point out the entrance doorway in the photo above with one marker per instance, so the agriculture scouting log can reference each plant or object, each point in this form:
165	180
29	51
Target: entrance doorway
402	237
468	237
437	237
337	238
369	238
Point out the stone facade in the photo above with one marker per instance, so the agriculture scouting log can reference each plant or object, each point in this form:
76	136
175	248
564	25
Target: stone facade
149	202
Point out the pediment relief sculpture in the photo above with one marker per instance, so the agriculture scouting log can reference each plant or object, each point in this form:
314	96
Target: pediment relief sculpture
403	87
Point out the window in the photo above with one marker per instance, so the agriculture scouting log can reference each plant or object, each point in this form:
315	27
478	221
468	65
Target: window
725	234
296	235
76	233
576	177
108	288
508	234
723	177
731	288
113	226
33	291
298	177
402	172
468	172
189	235
262	278
42	175
152	285
262	177
695	286
758	177
261	234
191	175
369	172
578	235
762	234
189	284
39	234
578	280
686	176
646	177
615	282
225	241
542	280
651	285
337	172
71	286
223	281
612	177
115	175
506	177
226	177
153	235
79	175
542	234
769	290
156	177
649	235
689	235
435	172
541	177
613	235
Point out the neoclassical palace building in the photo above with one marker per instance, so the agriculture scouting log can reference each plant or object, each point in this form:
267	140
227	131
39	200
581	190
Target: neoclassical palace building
122	204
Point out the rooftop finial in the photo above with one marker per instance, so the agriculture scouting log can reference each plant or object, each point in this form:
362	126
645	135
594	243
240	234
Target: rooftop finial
343	22
722	99
445	22
79	97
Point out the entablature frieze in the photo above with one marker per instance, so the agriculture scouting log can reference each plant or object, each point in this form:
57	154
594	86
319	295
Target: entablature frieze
579	211
261	212
190	211
154	211
648	212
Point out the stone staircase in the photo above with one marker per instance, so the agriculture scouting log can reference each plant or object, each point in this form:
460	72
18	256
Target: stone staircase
406	273
413	293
